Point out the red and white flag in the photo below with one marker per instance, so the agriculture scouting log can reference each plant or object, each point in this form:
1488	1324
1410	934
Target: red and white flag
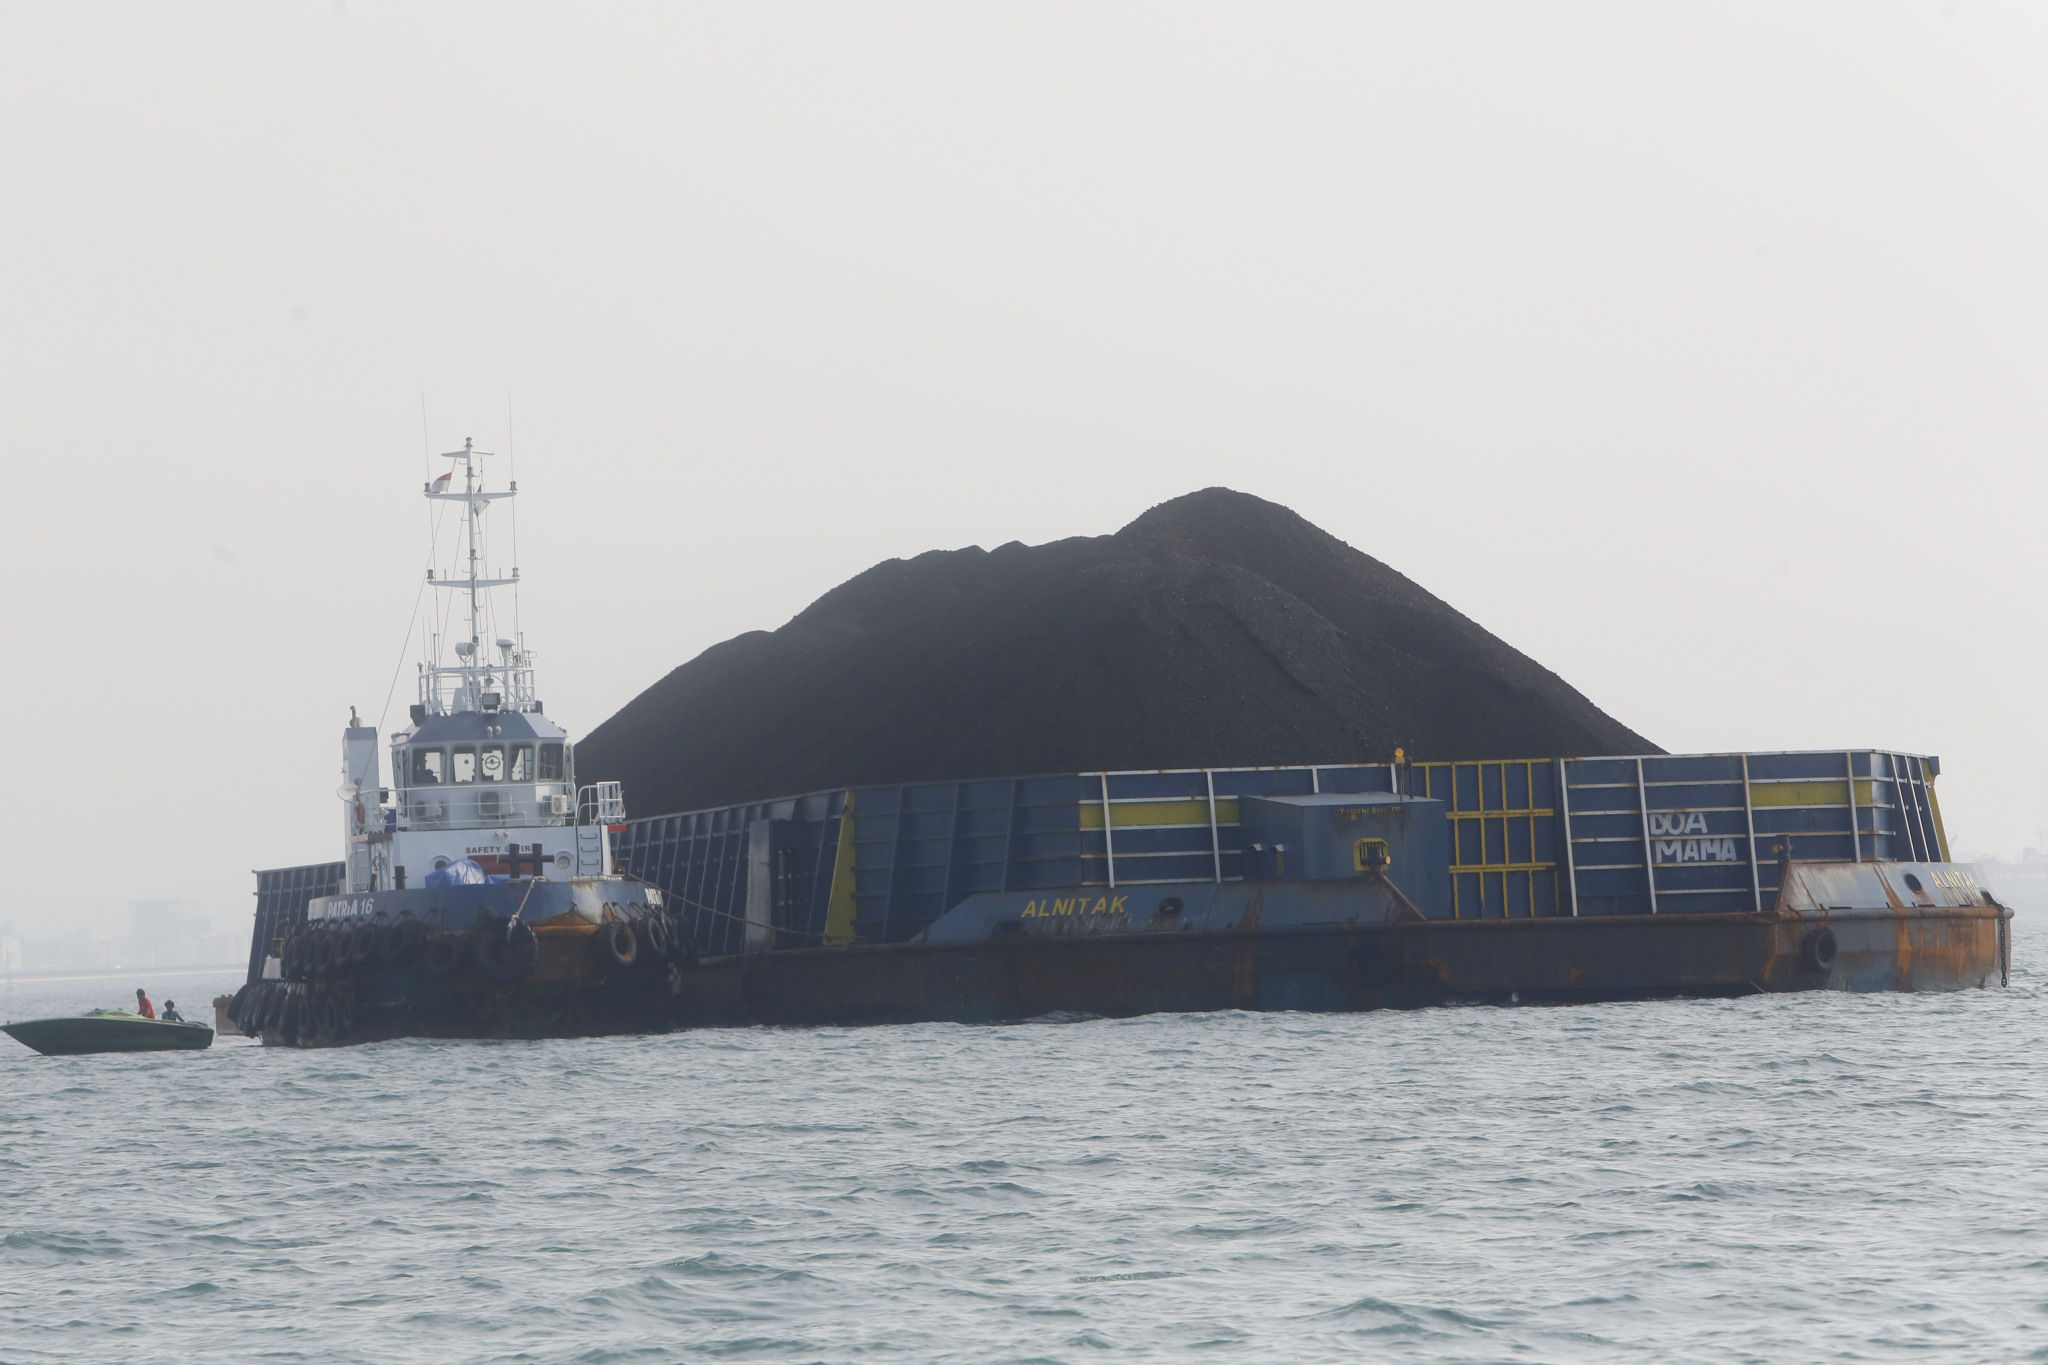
440	485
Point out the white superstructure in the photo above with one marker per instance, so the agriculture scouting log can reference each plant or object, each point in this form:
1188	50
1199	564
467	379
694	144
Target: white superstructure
481	772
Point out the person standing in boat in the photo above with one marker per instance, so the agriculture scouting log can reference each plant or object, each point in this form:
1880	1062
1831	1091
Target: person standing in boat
142	1005
171	1015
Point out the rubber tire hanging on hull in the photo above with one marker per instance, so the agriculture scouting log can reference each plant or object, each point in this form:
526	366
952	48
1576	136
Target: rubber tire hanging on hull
445	954
239	1006
616	945
506	956
398	943
334	1015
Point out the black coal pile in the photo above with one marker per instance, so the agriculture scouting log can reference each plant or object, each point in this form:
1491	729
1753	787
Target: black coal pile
1217	629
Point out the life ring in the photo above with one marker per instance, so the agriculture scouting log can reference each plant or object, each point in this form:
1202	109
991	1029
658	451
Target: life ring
1820	949
507	955
617	945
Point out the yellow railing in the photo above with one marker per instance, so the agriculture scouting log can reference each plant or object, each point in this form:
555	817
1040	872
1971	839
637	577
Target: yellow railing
1439	781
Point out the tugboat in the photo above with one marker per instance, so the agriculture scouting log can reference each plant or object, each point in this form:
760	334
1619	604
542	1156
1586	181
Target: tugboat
478	897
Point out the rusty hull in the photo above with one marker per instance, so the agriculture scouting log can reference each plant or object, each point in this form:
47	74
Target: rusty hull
1400	965
1336	945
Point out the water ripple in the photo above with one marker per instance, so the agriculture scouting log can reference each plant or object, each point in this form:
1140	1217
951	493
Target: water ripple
1767	1180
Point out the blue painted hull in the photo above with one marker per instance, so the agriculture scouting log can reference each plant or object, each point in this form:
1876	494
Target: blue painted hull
1315	946
513	959
1344	887
451	908
1330	968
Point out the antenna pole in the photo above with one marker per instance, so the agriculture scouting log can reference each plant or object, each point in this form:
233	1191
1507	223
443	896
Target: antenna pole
474	674
512	477
469	503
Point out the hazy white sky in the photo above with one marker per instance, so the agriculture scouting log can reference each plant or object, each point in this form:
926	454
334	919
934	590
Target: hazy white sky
1698	350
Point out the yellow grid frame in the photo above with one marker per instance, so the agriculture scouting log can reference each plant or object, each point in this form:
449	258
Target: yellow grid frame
1460	818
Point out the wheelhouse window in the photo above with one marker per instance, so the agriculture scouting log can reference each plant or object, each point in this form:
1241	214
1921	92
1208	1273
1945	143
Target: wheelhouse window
429	767
491	759
522	763
551	763
462	763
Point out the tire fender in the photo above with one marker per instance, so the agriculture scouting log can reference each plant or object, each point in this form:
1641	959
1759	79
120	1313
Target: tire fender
616	944
506	954
445	953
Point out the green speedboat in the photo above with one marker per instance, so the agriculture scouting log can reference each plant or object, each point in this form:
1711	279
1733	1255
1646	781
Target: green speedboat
107	1031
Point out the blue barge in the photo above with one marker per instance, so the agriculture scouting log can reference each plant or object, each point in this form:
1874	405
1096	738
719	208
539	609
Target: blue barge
1339	887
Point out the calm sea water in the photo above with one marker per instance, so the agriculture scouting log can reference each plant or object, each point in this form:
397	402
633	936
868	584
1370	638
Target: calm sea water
1796	1179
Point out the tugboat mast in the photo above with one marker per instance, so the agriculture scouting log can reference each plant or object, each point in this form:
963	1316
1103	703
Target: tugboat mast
475	682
